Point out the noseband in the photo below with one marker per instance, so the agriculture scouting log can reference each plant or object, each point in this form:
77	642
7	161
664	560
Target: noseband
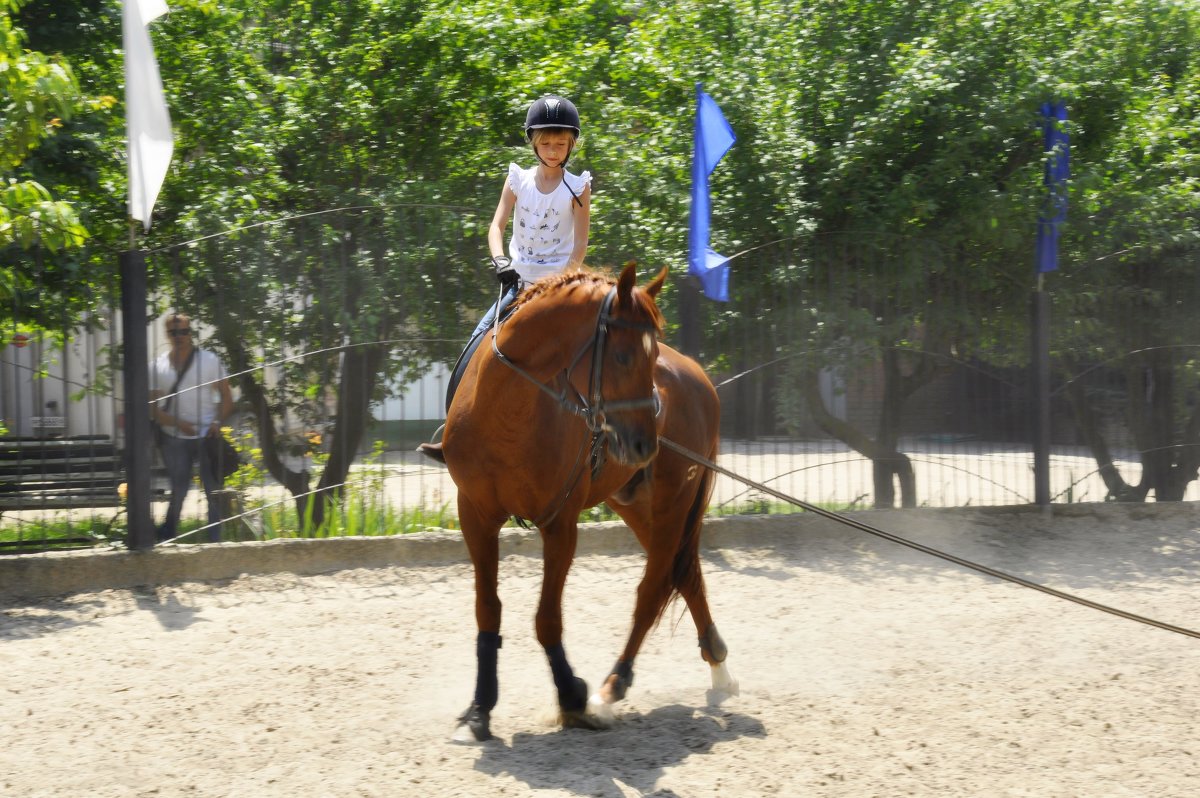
593	408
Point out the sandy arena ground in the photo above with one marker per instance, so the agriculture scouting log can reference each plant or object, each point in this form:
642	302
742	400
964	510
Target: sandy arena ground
866	669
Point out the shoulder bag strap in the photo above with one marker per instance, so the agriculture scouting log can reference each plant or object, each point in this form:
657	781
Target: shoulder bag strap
179	377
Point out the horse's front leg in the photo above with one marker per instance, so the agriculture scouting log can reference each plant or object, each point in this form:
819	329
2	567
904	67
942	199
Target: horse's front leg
558	551
483	544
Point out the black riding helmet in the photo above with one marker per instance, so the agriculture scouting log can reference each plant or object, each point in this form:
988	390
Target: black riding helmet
551	112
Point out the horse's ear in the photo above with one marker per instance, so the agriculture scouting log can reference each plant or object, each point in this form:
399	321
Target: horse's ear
654	286
626	281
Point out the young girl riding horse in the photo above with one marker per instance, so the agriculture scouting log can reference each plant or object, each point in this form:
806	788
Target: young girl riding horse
549	206
550	209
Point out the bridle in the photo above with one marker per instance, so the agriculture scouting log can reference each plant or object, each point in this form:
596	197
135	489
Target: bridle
593	408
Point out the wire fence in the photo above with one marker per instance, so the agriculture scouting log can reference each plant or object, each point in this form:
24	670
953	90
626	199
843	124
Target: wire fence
854	371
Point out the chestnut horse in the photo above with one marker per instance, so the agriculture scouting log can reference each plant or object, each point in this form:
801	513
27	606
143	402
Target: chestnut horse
558	410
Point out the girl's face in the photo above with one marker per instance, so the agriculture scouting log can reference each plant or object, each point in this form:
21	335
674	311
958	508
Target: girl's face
553	146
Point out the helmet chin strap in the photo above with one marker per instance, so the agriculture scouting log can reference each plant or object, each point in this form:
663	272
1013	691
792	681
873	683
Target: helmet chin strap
538	155
563	167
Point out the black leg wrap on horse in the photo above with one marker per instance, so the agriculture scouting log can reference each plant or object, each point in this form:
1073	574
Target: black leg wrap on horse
559	667
478	721
487	687
572	691
712	646
623	670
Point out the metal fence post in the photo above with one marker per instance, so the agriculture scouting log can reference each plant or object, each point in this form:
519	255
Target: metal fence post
1040	382
691	338
134	363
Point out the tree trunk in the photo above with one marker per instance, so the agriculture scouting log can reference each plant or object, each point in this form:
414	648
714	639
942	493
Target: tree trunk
1093	438
1169	463
894	466
886	461
296	482
360	372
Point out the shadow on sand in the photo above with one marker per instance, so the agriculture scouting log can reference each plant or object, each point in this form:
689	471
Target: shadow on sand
626	760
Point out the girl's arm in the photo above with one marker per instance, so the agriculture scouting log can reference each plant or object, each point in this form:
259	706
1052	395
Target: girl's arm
583	222
504	210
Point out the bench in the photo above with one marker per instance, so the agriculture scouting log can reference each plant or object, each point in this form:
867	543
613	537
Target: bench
59	473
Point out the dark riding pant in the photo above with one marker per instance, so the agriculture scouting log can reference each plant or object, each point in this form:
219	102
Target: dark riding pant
498	310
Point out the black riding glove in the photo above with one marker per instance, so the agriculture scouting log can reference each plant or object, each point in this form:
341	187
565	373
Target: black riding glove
505	273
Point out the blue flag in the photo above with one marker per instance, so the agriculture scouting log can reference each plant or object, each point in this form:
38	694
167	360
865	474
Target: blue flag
1058	169
713	139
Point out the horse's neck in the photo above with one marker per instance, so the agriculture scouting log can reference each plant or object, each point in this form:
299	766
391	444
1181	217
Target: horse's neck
543	338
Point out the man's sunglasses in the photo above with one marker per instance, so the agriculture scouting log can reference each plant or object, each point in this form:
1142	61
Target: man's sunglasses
179	332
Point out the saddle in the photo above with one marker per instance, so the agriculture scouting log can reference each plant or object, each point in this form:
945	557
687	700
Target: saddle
503	311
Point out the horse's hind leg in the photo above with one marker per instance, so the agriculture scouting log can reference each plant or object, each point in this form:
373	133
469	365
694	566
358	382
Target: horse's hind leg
483	544
672	543
689	581
712	647
653	593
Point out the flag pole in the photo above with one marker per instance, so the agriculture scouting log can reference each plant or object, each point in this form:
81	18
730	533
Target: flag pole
150	144
138	439
1056	143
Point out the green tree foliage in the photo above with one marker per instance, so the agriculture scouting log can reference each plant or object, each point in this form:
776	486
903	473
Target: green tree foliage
1127	299
37	93
887	170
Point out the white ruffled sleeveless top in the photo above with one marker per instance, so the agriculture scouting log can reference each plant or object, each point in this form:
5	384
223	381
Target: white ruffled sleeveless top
543	224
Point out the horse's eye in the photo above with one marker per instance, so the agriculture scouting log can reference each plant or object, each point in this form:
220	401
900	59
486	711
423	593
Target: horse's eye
623	358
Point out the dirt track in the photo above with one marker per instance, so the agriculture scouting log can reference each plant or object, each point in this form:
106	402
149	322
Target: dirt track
866	669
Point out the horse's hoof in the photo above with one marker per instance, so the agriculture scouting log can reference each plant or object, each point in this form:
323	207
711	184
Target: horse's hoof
602	712
473	726
573	699
723	685
614	688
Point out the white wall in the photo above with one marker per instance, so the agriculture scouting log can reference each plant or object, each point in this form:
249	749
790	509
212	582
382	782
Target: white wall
28	398
40	383
422	400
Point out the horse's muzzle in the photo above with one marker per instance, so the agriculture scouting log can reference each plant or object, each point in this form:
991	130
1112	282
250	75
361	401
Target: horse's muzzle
631	446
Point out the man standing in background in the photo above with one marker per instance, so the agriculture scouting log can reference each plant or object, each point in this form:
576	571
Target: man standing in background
190	400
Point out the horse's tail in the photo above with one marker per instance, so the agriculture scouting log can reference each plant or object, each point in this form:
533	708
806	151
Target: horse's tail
686	578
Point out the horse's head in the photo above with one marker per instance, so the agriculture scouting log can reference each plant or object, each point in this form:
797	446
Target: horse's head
610	367
622	381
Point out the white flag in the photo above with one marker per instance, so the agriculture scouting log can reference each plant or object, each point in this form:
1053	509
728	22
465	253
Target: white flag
146	118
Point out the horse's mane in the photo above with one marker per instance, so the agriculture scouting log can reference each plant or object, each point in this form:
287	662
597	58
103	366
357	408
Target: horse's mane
562	281
583	277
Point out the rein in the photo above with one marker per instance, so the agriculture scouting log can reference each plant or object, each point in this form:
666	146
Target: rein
894	538
593	408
